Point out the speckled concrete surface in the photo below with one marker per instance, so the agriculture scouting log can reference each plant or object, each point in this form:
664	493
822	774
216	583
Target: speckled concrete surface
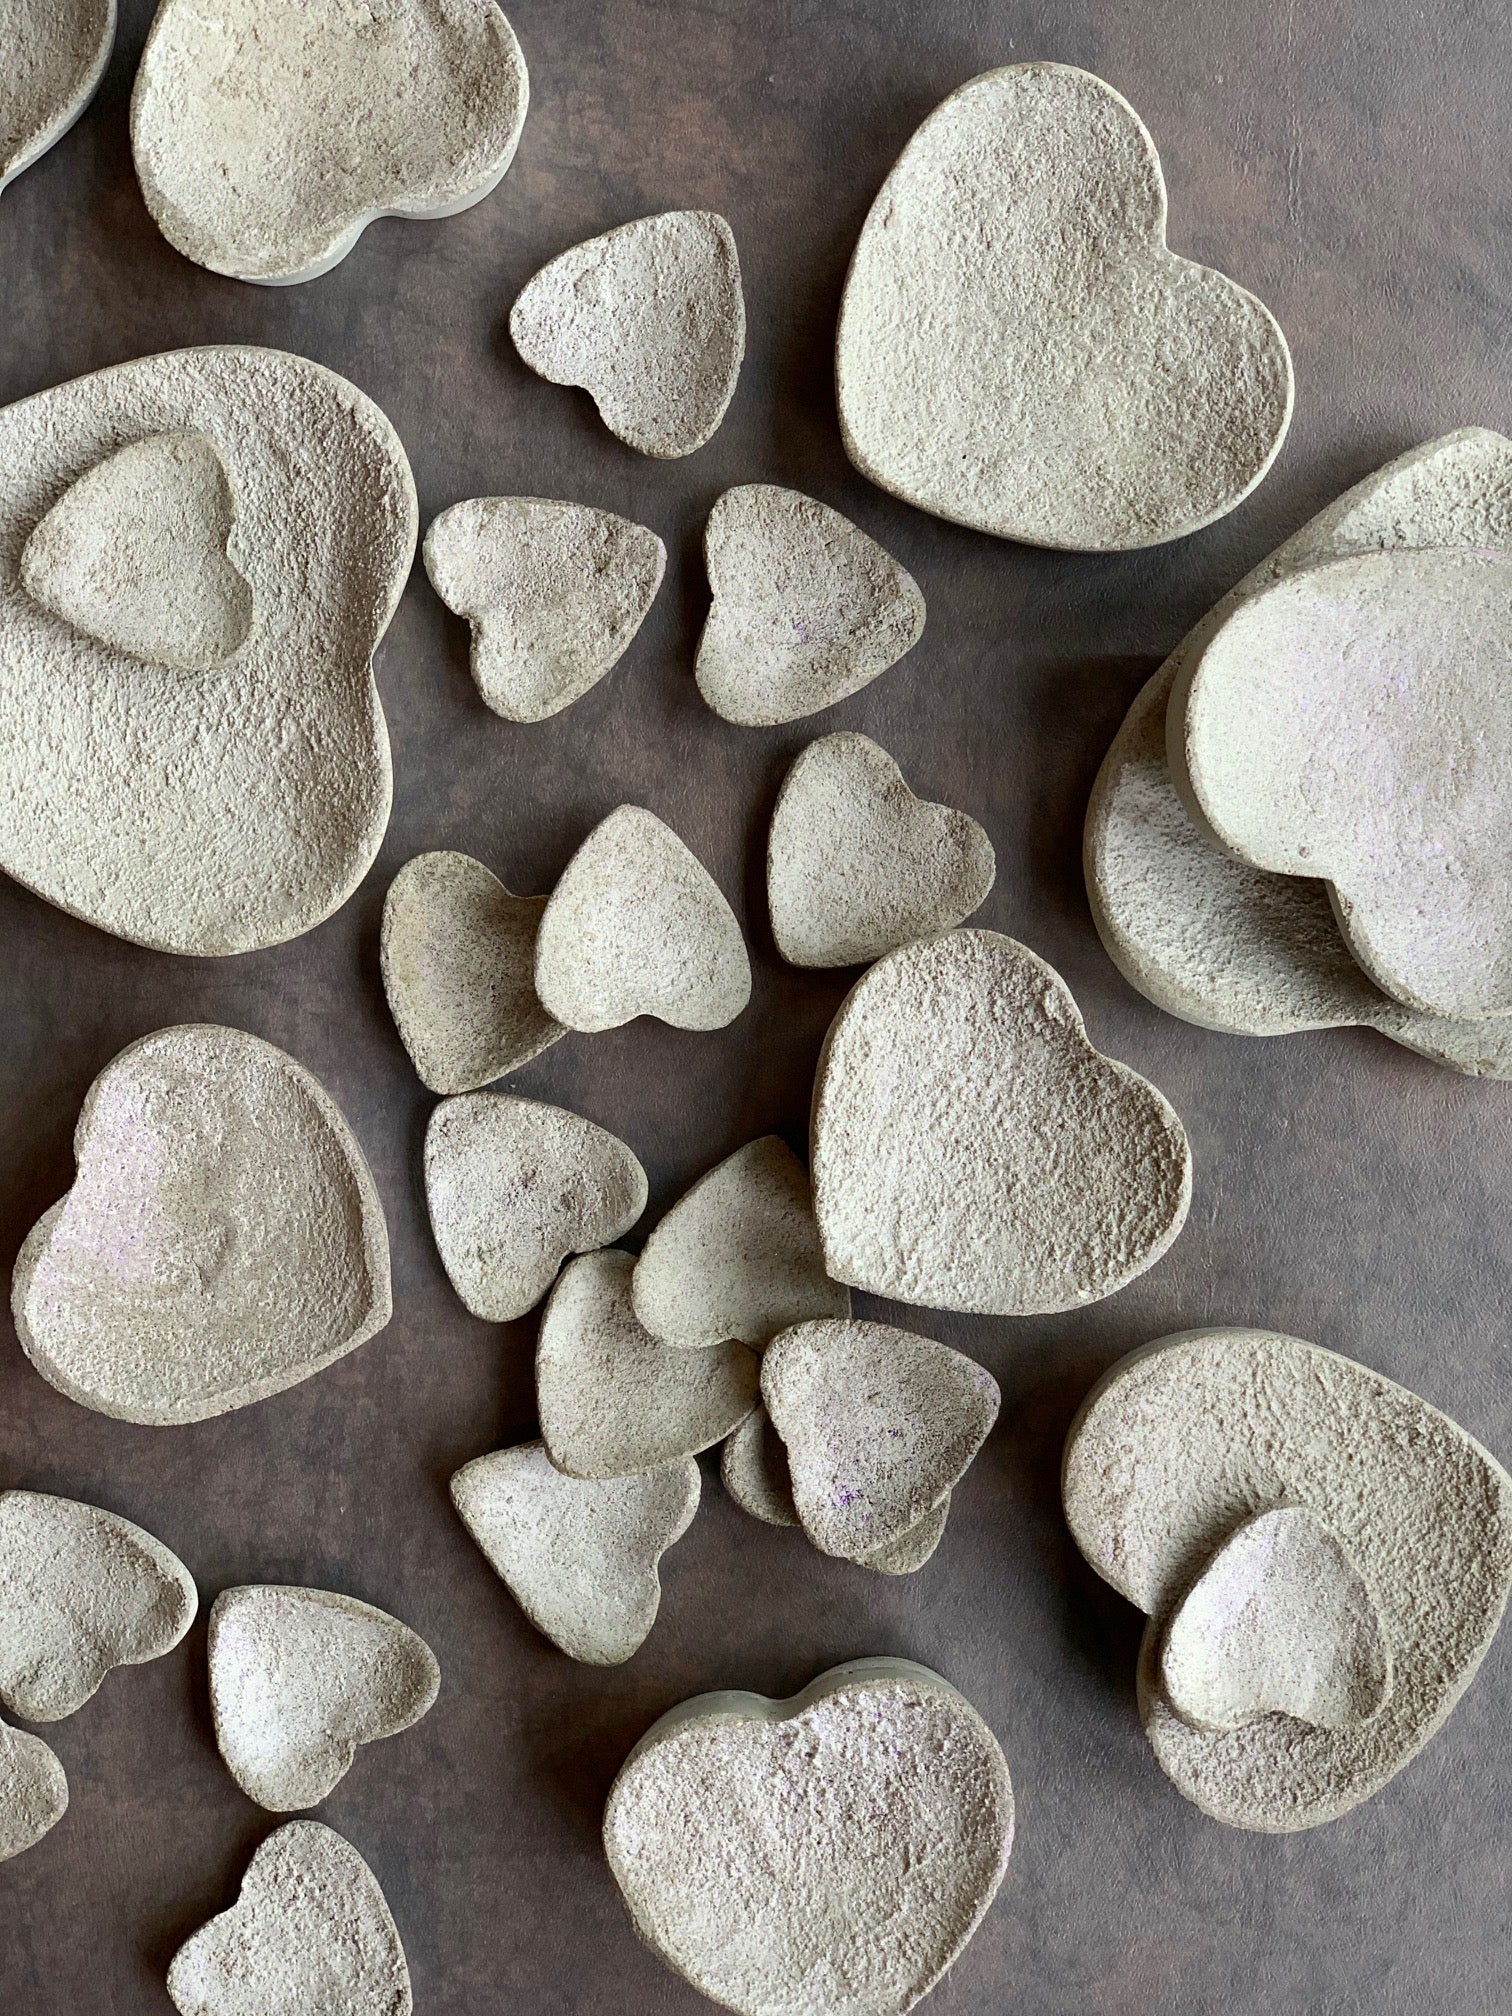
1350	166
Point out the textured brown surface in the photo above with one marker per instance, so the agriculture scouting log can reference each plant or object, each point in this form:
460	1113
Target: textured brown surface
1352	165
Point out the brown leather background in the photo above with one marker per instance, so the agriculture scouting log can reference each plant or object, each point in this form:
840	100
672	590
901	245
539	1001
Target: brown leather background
1349	163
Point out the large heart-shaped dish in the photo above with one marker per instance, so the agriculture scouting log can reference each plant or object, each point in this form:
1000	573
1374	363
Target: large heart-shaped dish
238	807
971	1150
222	1240
81	1590
1188	1437
830	1853
1020	351
267	139
300	1677
1207	936
310	1935
55	56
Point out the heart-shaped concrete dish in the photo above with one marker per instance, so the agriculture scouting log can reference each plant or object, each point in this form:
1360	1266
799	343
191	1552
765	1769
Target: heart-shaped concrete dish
1020	351
1182	1444
857	865
458	958
222	1240
613	1401
879	1426
738	1255
33	1791
638	926
514	1187
753	1467
806	610
580	1556
554	593
299	1678
1280	1621
134	555
238	806
1354	721
81	1591
831	1853
1206	936
55	56
650	320
971	1150
411	109
310	1935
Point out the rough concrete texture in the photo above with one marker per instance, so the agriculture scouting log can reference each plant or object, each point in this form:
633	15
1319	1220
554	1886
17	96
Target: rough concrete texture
134	555
638	926
878	1425
806	610
1020	351
33	1791
81	1590
457	952
753	1467
299	1678
55	56
1185	1440
909	1552
971	1150
738	1255
1350	722
830	1855
267	139
857	865
222	1241
1201	933
554	593
613	1401
236	809
1280	1621
580	1556
310	1935
513	1188
648	319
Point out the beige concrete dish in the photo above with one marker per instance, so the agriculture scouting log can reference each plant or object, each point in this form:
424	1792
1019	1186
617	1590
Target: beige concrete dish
738	1255
1186	1441
267	139
554	593
649	320
33	1791
134	555
830	1853
1280	1621
638	926
613	1401
81	1591
299	1678
514	1187
807	609
857	865
55	55
879	1426
458	958
753	1467
222	1239
971	1150
1352	721
579	1556
237	807
911	1550
1020	351
1201	933
310	1935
